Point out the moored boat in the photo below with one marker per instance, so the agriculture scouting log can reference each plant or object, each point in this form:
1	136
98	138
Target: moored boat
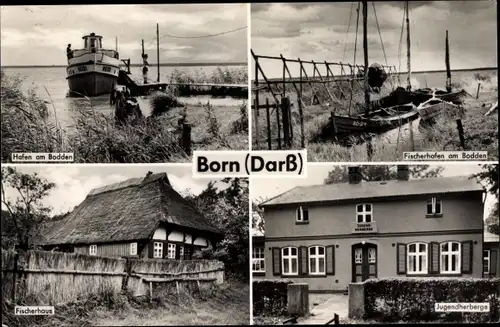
435	107
377	121
92	70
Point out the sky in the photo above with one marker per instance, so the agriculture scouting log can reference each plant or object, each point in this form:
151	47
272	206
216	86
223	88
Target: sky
38	35
318	31
263	188
74	182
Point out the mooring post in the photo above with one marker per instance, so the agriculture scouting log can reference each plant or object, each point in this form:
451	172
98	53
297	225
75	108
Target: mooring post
478	88
186	138
460	129
255	122
268	118
412	139
286	120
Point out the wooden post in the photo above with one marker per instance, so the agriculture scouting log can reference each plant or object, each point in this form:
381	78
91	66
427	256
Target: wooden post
268	118
369	149
286	123
290	119
116	43
256	84
279	125
447	59
186	138
460	129
365	50
150	292
256	123
336	319
142	53
158	50
298	299
408	45
284	79
478	88
301	114
412	139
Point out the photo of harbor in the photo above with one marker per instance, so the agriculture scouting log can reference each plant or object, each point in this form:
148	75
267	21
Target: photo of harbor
147	89
367	81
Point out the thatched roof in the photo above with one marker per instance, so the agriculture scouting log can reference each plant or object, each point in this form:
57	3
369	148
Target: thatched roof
364	190
129	210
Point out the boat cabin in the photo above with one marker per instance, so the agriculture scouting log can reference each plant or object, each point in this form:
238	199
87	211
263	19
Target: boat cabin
92	42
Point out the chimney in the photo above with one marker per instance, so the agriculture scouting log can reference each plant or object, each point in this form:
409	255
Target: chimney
354	175
403	173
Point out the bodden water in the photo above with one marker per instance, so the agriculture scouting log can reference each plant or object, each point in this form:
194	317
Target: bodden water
51	85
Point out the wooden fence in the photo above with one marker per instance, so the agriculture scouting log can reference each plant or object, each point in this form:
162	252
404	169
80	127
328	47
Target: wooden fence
50	278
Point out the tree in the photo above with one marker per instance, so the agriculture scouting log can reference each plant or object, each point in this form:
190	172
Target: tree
339	174
258	222
489	177
26	212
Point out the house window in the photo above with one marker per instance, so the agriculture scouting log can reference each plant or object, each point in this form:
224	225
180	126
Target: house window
93	249
258	260
372	255
187	252
364	213
290	261
417	259
317	260
450	258
158	250
434	206
133	248
358	258
486	261
181	252
302	215
171	251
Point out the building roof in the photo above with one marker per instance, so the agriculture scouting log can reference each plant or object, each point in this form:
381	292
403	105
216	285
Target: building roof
346	191
490	237
129	210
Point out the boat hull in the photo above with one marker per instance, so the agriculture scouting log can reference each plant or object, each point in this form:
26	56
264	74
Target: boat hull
436	107
91	84
344	125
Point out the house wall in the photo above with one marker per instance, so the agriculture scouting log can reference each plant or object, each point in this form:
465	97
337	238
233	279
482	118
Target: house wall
460	211
494	249
107	250
386	258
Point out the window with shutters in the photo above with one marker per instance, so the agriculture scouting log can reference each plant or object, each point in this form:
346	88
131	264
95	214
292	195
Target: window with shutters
133	248
93	250
302	215
290	261
157	250
317	260
171	250
258	259
364	213
434	207
450	258
417	261
486	261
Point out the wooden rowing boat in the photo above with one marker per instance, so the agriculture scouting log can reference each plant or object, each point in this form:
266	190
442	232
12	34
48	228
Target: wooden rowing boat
453	97
377	121
435	107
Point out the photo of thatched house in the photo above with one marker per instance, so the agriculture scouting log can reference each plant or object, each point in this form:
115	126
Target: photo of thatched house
139	217
136	245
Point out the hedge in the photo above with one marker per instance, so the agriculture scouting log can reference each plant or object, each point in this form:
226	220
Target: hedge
270	296
413	299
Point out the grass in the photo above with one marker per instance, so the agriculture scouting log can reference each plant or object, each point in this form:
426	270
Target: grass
481	133
30	124
225	304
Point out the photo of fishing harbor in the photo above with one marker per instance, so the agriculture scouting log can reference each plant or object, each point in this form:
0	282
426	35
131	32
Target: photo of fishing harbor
152	84
367	81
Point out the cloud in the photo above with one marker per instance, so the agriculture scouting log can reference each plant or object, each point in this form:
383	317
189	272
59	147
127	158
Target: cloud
47	30
321	31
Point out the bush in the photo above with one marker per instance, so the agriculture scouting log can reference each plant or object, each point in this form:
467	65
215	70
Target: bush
270	296
392	300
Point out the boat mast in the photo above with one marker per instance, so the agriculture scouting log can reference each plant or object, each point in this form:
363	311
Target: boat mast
408	45
365	51
116	43
158	50
448	70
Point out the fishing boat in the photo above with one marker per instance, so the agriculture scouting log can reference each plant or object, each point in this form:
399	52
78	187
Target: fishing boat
435	107
92	70
377	121
453	97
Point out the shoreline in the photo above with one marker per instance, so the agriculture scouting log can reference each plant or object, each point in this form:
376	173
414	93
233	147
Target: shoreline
195	64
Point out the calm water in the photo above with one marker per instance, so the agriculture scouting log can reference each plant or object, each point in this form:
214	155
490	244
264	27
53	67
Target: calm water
51	85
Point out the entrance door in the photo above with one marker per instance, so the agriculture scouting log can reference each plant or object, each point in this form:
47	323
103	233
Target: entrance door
364	262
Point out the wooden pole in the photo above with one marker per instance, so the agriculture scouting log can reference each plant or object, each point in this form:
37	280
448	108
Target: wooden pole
268	117
478	89
460	129
365	51
447	59
158	50
255	122
408	45
186	138
116	43
142	56
256	60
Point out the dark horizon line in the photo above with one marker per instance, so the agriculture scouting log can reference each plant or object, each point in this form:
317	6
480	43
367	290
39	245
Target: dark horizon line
182	64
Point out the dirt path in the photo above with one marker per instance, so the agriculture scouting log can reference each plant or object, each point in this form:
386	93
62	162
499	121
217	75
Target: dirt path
324	312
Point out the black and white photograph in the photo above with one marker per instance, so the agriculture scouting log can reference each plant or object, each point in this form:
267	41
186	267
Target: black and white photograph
124	83
124	245
369	80
371	244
